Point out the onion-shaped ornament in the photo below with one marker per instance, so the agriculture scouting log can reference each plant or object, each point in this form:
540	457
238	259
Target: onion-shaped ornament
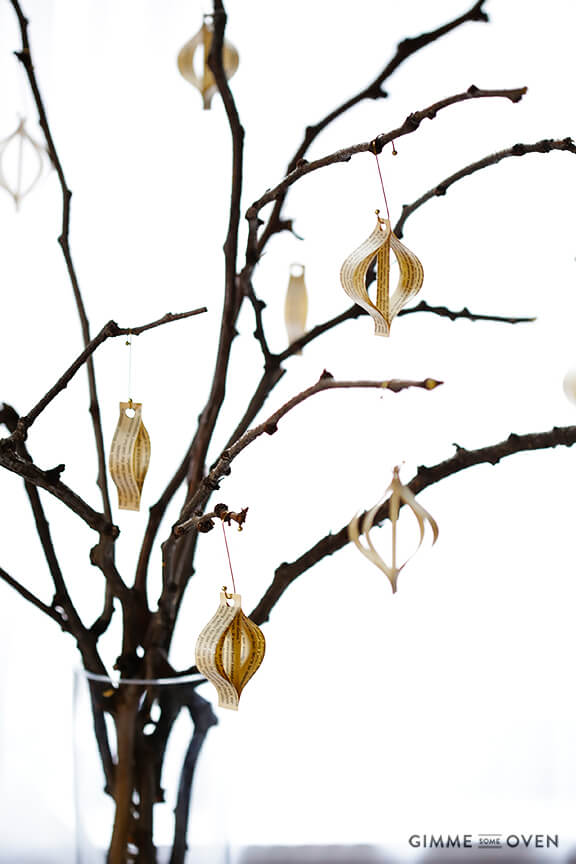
197	71
399	494
377	247
229	650
129	455
22	156
296	305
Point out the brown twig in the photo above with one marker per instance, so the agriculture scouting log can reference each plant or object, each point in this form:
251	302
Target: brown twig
25	59
62	602
178	562
410	125
110	330
546	145
465	313
28	595
425	477
357	312
374	90
269	427
50	481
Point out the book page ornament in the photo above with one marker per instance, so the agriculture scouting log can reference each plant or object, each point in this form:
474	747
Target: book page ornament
229	650
376	249
195	69
129	455
296	304
399	494
23	156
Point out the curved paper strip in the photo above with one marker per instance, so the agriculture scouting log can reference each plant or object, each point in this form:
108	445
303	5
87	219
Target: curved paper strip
205	82
129	456
410	279
296	305
368	551
355	268
21	139
229	650
399	493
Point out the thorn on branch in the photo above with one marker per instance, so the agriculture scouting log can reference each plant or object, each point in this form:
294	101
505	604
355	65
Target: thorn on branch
519	96
53	474
325	375
376	92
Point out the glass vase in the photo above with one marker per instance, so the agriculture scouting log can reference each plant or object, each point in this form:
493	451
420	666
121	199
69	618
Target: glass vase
184	823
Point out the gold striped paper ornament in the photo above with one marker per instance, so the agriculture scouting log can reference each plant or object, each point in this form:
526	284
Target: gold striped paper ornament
229	650
377	248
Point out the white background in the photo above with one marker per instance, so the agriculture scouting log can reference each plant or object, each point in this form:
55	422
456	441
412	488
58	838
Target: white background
448	707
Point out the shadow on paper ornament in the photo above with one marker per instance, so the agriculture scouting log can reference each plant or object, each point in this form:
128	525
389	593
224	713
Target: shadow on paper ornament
21	163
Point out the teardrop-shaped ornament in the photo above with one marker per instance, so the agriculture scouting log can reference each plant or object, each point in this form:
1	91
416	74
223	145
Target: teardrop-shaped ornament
399	495
355	268
229	650
196	70
129	455
22	156
296	305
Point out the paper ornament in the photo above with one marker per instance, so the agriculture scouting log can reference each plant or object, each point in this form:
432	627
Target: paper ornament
569	386
197	71
22	156
129	455
296	305
229	650
353	275
398	494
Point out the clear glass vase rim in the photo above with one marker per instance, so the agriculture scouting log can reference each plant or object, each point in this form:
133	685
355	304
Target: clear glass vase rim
115	682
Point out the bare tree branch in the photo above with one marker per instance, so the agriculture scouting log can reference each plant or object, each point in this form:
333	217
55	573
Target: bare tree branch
356	311
410	125
50	481
25	59
28	595
546	145
443	312
269	427
110	330
374	90
178	564
285	574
